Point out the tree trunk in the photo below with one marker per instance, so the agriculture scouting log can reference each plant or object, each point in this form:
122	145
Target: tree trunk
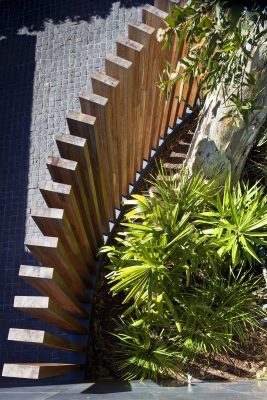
219	146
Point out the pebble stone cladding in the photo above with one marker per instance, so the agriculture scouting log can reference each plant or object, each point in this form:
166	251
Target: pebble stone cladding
48	50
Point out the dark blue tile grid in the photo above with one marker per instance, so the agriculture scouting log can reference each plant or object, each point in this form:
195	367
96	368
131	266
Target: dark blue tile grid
48	50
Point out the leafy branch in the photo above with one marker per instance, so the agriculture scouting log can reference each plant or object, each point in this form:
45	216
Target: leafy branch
221	38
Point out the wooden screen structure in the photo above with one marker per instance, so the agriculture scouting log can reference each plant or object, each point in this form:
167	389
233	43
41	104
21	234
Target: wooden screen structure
120	122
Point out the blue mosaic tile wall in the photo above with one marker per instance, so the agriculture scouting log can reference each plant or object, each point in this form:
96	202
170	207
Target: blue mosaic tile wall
48	50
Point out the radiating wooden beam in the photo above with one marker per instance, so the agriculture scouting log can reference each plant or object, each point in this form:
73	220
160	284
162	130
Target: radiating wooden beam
167	5
51	253
108	87
47	310
163	5
43	338
121	69
38	370
53	222
67	171
85	126
99	107
49	283
59	195
145	35
154	17
134	52
76	148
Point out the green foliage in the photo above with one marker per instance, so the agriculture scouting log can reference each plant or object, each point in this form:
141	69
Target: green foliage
222	36
236	224
143	354
217	312
181	265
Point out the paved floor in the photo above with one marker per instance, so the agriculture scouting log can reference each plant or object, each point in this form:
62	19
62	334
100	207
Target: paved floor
108	390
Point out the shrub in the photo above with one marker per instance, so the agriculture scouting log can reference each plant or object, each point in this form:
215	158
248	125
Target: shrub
182	263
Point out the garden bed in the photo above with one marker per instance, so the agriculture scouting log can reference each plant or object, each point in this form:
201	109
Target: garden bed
248	362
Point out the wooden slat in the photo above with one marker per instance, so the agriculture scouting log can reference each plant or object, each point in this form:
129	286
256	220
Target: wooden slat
76	148
173	57
43	338
175	103
67	171
47	310
186	90
171	95
163	5
59	195
121	69
167	5
99	107
53	222
180	54
105	86
189	87
49	283
38	370
85	126
145	35
51	253
154	17
134	52
193	93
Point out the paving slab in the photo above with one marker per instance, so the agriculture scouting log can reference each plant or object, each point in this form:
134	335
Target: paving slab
112	389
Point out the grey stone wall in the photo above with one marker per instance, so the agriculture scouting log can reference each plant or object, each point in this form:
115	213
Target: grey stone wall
48	50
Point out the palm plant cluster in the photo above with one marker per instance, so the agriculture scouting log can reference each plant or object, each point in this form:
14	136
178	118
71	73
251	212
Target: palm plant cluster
186	261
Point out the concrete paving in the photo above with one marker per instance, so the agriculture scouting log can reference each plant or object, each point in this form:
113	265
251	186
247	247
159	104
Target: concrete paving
110	389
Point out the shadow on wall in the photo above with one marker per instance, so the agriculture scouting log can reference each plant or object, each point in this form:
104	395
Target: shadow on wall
17	67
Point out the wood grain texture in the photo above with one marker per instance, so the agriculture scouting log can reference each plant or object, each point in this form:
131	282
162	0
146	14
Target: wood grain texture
85	126
38	370
99	107
144	35
106	86
76	148
69	172
186	88
47	310
59	195
134	52
51	253
53	222
43	338
168	6
154	17
121	69
175	102
49	283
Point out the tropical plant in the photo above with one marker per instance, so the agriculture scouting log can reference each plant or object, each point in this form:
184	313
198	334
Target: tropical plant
181	262
236	224
159	243
144	354
217	313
